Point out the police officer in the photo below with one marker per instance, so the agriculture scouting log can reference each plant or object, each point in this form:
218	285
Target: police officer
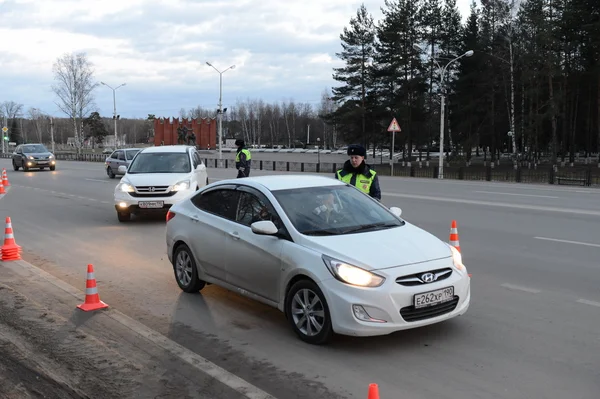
242	159
357	173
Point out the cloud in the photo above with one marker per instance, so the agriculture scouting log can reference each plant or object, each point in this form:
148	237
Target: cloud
282	49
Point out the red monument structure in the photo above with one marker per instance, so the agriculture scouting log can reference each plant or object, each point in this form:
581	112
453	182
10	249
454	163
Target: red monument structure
205	129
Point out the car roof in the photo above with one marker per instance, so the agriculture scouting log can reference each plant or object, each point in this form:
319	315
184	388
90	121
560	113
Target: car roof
167	148
286	182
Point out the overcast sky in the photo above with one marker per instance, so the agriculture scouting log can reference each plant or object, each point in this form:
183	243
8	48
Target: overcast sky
282	49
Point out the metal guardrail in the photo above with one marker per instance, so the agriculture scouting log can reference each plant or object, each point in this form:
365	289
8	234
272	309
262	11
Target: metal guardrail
588	176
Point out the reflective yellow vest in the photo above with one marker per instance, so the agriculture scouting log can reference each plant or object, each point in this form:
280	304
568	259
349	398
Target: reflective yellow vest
362	182
245	151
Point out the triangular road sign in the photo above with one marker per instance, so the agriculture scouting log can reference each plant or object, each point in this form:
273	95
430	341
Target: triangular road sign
394	126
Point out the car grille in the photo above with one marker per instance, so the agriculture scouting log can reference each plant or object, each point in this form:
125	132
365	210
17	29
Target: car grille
152	192
152	189
409	313
415	279
153	195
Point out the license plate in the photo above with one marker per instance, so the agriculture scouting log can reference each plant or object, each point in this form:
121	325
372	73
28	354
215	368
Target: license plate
150	204
431	298
42	162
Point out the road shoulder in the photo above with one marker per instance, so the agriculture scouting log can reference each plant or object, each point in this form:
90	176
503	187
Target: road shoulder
49	347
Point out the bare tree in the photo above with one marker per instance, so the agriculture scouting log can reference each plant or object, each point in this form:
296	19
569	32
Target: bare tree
74	88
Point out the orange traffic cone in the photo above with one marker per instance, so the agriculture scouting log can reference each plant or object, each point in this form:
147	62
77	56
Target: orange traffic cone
2	190
10	249
454	236
5	182
92	299
373	391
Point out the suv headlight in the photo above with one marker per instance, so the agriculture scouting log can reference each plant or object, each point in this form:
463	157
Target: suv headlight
126	188
182	185
351	274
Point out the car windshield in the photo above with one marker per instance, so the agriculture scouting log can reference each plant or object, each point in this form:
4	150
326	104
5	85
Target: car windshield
34	148
334	210
160	162
130	154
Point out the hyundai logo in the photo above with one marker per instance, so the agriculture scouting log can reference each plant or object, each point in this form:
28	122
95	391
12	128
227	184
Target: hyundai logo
427	277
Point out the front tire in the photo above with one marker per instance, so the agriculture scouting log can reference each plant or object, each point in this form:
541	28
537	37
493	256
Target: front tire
15	167
308	313
124	216
186	272
110	173
52	167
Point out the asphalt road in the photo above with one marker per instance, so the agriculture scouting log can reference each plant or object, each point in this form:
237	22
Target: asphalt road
532	329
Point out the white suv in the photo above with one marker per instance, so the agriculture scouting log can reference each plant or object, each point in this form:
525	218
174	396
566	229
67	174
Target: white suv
157	178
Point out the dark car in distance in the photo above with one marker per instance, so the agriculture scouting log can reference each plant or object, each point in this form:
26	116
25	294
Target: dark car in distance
36	156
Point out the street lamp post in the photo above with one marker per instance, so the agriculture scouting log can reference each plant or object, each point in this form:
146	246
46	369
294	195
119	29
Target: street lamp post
114	108
443	103
220	112
319	152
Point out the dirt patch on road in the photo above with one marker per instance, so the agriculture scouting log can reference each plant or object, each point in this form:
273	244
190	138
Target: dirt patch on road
44	356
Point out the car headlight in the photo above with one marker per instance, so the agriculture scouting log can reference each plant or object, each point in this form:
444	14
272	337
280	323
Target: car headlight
182	185
457	258
51	157
30	157
351	274
126	187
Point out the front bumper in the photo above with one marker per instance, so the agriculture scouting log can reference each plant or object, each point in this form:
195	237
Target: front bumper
39	163
146	204
389	303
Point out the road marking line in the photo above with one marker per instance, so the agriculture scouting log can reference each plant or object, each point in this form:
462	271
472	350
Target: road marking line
520	195
588	244
464	201
101	181
518	288
202	364
586	302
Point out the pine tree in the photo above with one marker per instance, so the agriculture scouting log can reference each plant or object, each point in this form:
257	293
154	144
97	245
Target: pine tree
356	75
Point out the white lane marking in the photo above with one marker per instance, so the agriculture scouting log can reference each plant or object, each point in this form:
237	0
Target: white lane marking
587	244
519	288
497	204
586	302
520	195
101	181
202	364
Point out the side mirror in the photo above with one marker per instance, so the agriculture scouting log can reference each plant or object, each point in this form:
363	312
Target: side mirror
200	167
396	211
264	227
122	169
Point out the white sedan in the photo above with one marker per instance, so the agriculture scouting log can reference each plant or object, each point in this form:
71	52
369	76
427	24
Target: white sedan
330	257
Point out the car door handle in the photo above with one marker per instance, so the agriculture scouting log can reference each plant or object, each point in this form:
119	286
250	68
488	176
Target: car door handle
234	234
195	218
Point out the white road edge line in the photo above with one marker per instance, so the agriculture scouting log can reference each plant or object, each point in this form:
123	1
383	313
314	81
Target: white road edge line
587	244
204	365
518	288
519	195
586	302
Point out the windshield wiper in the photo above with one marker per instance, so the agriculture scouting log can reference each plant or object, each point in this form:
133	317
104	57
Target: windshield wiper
364	227
320	233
